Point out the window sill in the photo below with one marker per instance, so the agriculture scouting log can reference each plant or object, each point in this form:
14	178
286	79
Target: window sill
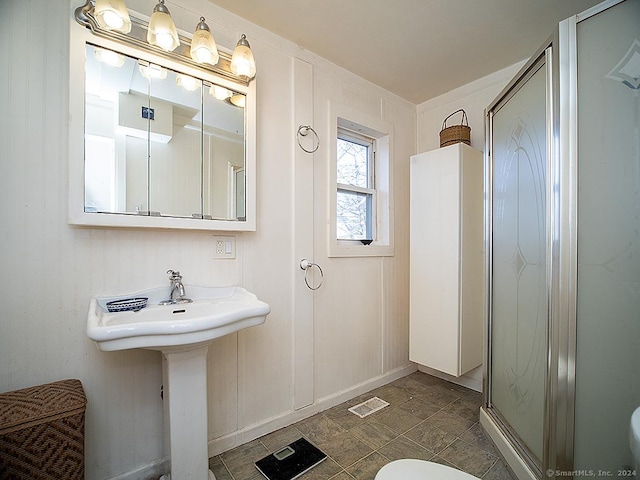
348	248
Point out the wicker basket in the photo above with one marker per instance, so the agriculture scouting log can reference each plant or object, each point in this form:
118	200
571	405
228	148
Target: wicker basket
455	133
42	432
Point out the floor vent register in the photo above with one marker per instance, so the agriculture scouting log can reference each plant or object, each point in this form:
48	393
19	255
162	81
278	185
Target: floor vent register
367	408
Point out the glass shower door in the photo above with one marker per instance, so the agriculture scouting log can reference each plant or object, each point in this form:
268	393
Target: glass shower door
608	235
518	310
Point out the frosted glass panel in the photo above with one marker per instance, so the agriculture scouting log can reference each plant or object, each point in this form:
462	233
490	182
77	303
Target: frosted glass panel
519	302
608	299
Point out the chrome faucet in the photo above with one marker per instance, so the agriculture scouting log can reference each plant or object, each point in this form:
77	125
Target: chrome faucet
177	289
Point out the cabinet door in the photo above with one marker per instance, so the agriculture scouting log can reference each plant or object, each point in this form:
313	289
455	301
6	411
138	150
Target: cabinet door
435	257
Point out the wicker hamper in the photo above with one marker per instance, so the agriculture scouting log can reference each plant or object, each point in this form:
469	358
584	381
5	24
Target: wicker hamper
42	432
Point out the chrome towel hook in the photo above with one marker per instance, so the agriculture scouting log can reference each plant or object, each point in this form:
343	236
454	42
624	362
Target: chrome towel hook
303	131
306	265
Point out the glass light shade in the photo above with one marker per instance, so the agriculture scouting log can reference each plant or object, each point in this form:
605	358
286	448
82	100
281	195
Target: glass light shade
219	92
238	100
153	71
109	57
112	15
203	46
188	83
242	62
162	31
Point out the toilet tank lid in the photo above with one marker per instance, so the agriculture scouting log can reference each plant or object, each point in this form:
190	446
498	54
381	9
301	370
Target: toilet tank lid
634	434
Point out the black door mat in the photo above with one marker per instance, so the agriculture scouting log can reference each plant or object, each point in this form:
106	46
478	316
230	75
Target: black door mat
291	461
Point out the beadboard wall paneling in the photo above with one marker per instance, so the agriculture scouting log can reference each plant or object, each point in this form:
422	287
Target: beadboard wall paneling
358	310
52	269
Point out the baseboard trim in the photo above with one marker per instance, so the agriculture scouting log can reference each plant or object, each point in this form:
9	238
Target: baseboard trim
160	466
251	432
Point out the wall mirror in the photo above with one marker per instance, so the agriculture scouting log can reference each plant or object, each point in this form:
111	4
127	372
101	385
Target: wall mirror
156	142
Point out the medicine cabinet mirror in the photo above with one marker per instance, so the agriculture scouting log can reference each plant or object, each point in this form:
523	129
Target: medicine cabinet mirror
156	142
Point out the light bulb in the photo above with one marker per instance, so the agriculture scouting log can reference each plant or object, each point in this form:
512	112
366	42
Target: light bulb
113	20
153	71
187	82
112	15
109	57
202	55
164	40
238	100
219	92
162	31
203	46
242	62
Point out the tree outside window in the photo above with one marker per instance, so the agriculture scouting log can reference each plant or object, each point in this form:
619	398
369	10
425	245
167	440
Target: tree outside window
356	194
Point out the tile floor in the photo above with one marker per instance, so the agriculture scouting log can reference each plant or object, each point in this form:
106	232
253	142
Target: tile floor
427	418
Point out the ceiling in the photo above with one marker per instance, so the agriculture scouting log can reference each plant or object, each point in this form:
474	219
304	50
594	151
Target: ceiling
418	49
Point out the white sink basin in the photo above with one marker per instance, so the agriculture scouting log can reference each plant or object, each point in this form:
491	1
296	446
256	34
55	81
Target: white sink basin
214	312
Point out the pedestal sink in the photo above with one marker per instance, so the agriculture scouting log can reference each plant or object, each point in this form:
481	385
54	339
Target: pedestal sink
182	332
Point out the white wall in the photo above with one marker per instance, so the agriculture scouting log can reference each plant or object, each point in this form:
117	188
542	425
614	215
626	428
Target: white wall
473	97
51	269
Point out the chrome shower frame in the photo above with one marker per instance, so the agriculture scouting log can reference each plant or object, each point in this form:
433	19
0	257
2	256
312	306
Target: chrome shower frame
531	467
560	56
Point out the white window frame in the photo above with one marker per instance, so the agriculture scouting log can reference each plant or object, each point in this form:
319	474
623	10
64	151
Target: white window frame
343	117
370	191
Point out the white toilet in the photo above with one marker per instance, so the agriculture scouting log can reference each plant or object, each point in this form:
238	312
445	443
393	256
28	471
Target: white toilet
411	469
634	440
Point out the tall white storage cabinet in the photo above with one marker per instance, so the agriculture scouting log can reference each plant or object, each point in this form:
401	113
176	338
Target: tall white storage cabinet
446	311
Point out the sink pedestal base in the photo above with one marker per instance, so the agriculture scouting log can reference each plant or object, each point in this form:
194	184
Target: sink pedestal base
185	407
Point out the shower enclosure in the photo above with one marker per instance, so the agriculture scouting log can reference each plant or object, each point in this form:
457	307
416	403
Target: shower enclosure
562	216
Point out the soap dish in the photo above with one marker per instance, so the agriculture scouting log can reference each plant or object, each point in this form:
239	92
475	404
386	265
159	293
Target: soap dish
127	304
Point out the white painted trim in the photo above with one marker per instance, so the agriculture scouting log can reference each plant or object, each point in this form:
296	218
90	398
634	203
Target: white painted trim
517	465
160	466
303	238
383	132
78	37
251	432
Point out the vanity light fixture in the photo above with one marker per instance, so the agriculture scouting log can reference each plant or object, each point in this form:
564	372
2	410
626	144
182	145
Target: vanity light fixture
113	15
188	83
219	92
108	57
242	62
203	46
153	71
237	100
162	31
159	36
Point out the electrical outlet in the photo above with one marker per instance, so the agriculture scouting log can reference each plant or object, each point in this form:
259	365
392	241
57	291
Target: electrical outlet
224	247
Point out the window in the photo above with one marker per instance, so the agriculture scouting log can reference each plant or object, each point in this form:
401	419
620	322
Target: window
360	186
355	181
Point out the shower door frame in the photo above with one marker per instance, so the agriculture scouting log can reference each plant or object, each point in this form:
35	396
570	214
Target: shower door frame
562	261
543	59
564	315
